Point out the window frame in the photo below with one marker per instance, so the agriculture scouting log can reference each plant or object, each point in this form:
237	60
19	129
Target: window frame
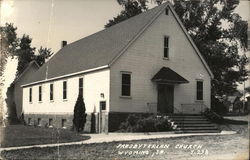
50	124
80	88
199	91
29	121
63	122
30	95
130	84
166	11
51	92
65	90
103	104
40	94
166	47
39	121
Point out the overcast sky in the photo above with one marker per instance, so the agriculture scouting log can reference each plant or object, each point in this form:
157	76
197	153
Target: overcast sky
49	22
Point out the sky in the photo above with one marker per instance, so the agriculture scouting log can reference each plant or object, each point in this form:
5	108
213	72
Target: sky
48	22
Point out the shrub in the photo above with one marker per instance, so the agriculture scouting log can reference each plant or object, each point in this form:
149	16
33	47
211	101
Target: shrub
139	123
217	106
12	114
79	119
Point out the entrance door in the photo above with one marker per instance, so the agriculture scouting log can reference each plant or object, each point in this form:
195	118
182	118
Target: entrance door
102	116
165	98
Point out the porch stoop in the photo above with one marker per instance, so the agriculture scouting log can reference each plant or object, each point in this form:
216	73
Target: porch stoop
193	123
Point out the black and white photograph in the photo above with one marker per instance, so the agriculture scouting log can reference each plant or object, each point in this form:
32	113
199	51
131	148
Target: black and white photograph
125	79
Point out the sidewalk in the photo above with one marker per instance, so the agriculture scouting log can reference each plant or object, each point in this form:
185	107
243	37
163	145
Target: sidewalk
114	137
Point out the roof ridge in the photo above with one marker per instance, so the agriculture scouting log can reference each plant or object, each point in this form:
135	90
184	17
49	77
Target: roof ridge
104	47
106	29
120	23
26	69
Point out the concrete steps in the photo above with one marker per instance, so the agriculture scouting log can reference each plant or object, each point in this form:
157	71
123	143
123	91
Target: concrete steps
193	124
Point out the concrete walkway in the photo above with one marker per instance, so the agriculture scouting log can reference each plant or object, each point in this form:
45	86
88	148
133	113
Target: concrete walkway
116	137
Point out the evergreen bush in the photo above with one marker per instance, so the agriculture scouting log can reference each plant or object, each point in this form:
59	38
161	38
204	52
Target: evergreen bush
79	119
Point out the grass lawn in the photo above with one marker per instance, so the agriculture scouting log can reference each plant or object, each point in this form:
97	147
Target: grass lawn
20	135
223	147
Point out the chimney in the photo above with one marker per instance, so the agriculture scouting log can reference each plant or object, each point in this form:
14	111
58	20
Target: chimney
64	43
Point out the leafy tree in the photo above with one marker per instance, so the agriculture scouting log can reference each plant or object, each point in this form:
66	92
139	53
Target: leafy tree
247	89
12	115
20	48
25	53
8	43
131	8
43	54
79	119
219	45
9	40
205	22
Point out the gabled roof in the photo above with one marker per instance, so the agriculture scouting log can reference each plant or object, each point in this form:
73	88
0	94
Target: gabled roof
26	69
167	75
103	48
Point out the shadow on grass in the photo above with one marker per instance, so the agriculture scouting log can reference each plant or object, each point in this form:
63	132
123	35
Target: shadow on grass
234	122
20	135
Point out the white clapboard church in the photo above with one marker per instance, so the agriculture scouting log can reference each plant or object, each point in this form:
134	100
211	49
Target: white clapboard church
146	64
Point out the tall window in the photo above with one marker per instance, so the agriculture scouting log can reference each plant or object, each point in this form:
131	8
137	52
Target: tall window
166	47
166	11
40	93
39	121
81	86
63	123
50	122
64	89
30	95
126	84
51	92
199	90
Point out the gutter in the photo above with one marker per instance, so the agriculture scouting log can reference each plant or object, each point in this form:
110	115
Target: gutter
67	75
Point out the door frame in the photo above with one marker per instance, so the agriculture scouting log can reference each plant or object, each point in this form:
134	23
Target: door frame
165	89
102	114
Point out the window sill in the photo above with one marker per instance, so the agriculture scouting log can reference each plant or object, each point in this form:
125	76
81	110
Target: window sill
165	58
126	97
51	101
40	101
199	101
30	102
65	100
